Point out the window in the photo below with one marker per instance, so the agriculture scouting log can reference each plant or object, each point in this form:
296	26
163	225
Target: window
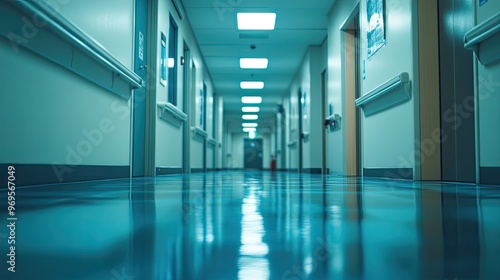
203	106
172	62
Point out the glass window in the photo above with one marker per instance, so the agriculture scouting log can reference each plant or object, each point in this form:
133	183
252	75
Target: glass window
172	62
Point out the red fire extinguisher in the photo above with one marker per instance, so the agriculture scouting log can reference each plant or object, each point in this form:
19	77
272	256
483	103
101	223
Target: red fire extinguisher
273	163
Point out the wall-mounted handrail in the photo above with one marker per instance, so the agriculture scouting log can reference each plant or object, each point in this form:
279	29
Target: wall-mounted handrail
481	34
385	95
199	131
292	143
79	38
212	141
482	31
173	110
402	79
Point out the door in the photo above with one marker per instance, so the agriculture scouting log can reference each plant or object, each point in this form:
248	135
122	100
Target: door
324	115
457	92
253	154
139	95
186	103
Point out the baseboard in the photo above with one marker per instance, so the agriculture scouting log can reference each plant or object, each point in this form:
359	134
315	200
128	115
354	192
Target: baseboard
40	174
312	170
168	170
197	170
489	175
393	173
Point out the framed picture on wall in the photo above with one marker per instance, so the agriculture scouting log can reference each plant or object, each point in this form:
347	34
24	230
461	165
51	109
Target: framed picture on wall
376	27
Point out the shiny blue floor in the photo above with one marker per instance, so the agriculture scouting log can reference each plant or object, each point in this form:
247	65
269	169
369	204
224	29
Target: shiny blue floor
254	225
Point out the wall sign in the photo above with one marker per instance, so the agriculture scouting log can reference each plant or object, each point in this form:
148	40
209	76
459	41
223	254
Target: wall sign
141	46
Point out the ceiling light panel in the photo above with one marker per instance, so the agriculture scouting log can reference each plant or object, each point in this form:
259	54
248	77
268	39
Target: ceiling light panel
250	109
251	99
256	21
249	124
253	63
252	85
249	117
249	129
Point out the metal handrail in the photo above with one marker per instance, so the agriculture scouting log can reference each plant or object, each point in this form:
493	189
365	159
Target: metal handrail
212	141
79	38
173	110
200	131
482	31
400	80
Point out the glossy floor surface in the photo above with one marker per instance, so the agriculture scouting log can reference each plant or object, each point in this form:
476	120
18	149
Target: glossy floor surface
254	225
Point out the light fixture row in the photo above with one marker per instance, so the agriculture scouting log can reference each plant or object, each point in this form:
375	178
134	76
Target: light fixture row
253	21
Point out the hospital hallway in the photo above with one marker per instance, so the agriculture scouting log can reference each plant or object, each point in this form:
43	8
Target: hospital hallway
255	225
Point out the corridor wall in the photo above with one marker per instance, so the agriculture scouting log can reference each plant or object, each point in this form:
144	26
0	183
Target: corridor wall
488	98
337	147
388	136
59	126
169	138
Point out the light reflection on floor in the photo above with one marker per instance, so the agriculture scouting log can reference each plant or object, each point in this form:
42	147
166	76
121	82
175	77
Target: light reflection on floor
255	225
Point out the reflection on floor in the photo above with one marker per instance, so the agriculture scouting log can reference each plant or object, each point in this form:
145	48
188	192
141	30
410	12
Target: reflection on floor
254	225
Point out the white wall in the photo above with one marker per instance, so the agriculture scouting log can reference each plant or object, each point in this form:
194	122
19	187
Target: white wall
110	22
169	138
337	146
489	99
237	158
302	82
49	111
318	65
383	145
308	80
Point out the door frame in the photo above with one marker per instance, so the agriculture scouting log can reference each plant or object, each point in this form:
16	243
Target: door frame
352	88
145	151
325	114
186	106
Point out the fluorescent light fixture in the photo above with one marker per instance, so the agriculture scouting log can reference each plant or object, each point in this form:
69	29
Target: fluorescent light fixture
252	134
249	129
250	117
250	109
249	124
251	99
253	63
256	21
252	85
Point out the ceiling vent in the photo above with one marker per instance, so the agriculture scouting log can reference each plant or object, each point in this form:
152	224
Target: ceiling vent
252	35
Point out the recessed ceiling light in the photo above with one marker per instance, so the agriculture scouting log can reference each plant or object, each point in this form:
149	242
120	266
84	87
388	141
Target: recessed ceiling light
256	21
250	109
253	63
249	124
251	99
249	117
249	129
252	85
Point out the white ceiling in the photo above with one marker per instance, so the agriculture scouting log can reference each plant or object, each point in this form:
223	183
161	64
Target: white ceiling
299	23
